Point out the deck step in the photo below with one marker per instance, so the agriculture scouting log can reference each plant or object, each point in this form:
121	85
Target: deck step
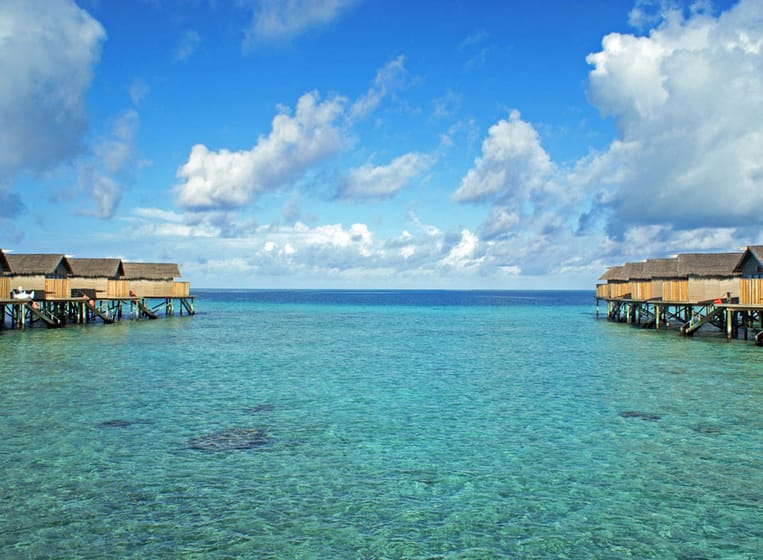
692	326
49	320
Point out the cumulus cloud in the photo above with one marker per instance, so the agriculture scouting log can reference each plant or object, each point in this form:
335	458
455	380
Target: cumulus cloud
332	254
46	63
279	20
373	182
226	180
688	103
516	176
513	164
682	174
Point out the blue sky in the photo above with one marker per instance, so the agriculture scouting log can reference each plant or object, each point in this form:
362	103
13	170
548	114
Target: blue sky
381	144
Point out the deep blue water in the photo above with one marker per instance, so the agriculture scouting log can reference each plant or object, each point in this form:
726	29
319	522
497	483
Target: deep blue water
379	424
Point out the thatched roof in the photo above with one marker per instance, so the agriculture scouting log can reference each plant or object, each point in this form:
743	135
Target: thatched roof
96	268
4	266
151	271
613	273
663	268
708	264
635	271
34	264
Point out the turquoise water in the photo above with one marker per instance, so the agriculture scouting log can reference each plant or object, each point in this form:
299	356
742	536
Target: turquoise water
379	425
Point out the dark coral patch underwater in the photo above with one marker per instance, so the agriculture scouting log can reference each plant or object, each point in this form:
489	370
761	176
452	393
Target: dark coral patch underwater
642	415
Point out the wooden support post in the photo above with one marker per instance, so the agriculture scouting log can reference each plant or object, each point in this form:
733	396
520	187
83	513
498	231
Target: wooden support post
729	324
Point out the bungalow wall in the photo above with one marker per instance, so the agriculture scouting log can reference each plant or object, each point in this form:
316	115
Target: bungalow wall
5	288
118	288
751	291
56	288
701	289
152	288
657	289
602	291
675	290
619	289
28	282
641	289
51	287
99	285
181	289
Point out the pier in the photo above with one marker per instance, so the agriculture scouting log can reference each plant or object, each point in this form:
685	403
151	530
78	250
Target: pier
58	312
689	292
733	319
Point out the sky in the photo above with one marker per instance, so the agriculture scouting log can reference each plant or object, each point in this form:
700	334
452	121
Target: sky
381	143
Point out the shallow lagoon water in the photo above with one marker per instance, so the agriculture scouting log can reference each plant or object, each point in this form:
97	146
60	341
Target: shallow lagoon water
368	424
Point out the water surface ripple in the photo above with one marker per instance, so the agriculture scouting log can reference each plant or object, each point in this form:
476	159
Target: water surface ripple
371	424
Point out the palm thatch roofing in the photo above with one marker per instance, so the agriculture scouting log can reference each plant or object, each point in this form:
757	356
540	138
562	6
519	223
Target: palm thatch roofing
702	265
663	268
35	264
151	271
613	273
4	266
708	264
635	271
96	268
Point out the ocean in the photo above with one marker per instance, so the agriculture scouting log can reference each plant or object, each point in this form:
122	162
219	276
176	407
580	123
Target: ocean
380	424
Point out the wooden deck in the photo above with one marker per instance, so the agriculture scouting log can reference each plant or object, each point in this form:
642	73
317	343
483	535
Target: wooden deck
61	311
725	315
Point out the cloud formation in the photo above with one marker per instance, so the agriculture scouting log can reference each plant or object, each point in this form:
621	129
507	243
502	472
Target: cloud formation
46	63
688	103
393	76
226	180
683	173
383	181
112	164
279	20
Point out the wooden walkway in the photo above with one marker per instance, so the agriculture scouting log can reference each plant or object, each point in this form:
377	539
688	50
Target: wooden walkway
57	312
728	316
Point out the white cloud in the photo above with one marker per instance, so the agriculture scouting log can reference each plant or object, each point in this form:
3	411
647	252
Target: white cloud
688	101
513	164
465	253
46	63
278	20
393	76
225	180
367	181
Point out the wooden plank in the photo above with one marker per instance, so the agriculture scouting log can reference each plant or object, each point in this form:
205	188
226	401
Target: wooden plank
50	321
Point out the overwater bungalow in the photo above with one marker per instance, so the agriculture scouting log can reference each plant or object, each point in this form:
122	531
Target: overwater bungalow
615	283
154	279
667	282
710	275
97	277
45	274
639	281
5	281
691	290
750	267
